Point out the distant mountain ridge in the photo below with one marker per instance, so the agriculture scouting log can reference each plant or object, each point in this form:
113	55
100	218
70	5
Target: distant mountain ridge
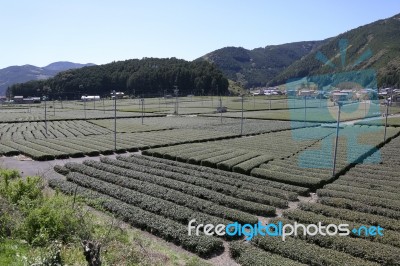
276	64
20	74
254	68
380	40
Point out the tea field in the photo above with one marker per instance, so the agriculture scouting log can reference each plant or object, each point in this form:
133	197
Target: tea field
160	171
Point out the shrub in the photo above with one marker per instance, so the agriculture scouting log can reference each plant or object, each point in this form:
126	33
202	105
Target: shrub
54	219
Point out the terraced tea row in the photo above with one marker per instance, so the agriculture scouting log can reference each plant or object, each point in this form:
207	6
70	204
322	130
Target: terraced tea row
175	191
94	145
243	154
230	125
313	166
153	222
55	129
367	195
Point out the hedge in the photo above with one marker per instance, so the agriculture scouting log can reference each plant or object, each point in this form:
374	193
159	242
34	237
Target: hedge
370	200
246	166
86	150
157	225
358	206
390	237
357	247
33	153
154	190
205	183
238	176
8	151
62	170
146	202
197	158
229	164
213	161
349	215
362	191
355	184
219	176
297	249
196	191
287	178
248	255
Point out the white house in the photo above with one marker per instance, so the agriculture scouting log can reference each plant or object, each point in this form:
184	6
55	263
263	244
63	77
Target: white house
90	98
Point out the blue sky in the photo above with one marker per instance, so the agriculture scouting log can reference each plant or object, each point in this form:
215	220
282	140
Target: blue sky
41	32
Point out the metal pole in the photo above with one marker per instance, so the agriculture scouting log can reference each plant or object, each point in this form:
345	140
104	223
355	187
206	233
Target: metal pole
386	118
336	141
142	100
94	103
365	107
220	107
176	91
84	106
254	102
104	107
305	110
270	101
45	114
320	100
241	120
54	108
115	121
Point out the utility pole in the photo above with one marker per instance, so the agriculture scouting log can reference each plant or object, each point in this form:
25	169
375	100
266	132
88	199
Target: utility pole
142	100
220	107
386	120
176	91
365	107
45	113
337	139
84	106
305	110
270	100
241	120
115	120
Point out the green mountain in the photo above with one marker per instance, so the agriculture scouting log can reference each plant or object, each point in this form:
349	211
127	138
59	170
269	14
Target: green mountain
147	77
256	67
373	46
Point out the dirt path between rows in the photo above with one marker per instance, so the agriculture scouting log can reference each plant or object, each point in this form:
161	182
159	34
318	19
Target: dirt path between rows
29	167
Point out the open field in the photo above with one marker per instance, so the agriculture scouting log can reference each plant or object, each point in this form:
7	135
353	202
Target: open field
201	167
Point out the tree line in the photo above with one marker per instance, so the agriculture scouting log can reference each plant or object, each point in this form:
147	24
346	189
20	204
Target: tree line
147	77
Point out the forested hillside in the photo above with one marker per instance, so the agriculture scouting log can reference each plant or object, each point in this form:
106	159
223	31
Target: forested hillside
147	77
372	46
253	68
